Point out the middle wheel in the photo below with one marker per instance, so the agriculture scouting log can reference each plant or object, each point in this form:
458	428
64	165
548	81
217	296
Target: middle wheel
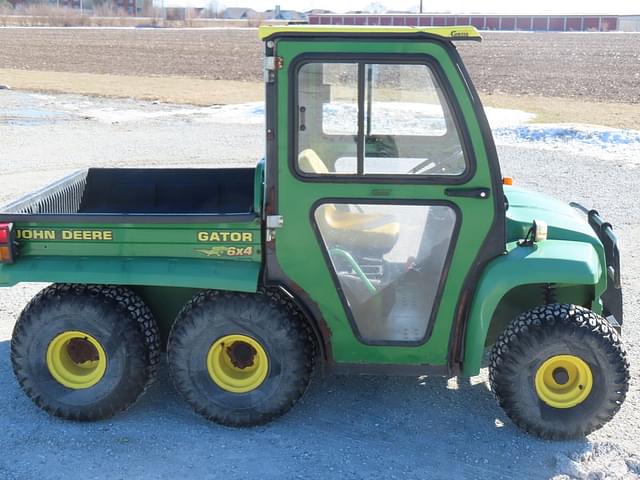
240	360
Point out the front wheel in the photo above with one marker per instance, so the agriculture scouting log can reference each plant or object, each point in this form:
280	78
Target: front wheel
559	371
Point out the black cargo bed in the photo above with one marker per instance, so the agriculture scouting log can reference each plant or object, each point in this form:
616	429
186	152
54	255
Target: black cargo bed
140	195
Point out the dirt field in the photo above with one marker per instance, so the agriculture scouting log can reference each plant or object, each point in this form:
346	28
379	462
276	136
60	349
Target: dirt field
226	54
585	78
601	67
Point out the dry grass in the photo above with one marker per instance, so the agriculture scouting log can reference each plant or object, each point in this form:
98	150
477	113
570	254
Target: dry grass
184	90
107	16
569	110
51	16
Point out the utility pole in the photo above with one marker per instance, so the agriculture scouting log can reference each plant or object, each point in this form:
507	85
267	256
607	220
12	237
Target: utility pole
420	6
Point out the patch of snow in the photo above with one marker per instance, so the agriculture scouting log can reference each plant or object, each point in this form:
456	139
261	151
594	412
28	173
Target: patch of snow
42	96
246	113
565	133
505	117
388	118
340	118
510	127
620	145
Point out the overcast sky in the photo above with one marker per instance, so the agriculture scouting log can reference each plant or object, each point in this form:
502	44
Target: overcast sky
461	6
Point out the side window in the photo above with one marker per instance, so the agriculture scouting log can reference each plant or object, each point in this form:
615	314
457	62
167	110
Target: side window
389	260
375	119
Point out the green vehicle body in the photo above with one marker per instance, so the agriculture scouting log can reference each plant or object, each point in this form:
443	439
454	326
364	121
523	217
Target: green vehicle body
491	276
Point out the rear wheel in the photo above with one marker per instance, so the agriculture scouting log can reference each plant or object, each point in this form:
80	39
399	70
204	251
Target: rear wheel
240	360
559	371
85	352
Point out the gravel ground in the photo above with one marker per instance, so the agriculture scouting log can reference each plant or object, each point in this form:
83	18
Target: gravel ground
595	66
345	427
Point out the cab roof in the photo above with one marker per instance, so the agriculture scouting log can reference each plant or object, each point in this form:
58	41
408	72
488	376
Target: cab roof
461	32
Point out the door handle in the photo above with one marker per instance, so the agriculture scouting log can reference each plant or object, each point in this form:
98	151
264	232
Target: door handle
481	193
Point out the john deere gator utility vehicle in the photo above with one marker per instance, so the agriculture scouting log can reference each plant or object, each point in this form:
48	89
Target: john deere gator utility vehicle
377	236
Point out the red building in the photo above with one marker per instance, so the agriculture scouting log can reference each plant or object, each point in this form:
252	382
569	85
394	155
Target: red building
545	23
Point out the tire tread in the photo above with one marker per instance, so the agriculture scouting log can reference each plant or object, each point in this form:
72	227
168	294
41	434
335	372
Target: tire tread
127	303
546	322
296	329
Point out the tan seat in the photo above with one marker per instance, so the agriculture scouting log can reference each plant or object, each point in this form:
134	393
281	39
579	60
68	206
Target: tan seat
362	232
310	162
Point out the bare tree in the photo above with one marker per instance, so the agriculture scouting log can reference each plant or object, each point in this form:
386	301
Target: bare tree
375	7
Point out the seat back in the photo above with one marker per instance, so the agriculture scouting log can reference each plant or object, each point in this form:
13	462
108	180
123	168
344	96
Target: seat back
310	162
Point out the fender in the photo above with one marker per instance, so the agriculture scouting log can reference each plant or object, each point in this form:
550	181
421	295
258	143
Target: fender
239	276
550	261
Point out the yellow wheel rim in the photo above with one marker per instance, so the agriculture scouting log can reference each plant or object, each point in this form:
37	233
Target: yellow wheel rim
237	363
76	360
564	381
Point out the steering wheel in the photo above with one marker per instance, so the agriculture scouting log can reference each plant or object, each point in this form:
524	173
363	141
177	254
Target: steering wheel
456	156
383	145
422	167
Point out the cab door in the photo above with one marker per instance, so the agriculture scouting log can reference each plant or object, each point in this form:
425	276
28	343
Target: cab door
388	199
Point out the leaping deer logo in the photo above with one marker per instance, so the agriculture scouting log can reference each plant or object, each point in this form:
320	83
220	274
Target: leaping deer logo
213	251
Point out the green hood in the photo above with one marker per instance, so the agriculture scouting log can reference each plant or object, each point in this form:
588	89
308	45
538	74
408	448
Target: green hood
564	221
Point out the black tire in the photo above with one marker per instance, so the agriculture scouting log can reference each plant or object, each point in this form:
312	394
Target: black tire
267	318
114	316
543	333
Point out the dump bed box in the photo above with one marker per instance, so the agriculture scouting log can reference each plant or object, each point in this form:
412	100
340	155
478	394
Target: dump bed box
118	216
